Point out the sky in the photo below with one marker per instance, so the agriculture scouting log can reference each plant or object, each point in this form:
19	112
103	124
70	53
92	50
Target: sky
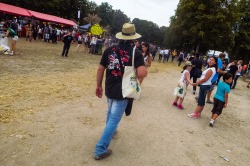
157	11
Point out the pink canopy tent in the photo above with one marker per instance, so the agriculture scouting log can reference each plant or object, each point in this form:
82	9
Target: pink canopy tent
10	9
51	18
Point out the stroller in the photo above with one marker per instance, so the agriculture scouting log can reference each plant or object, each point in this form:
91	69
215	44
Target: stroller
4	45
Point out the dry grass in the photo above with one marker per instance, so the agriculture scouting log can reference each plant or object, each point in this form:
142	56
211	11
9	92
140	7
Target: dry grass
38	77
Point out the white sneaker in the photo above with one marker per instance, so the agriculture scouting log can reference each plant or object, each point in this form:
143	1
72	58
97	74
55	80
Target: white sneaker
211	123
6	52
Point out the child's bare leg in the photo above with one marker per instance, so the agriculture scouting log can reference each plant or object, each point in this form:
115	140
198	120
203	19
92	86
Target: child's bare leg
176	99
77	48
215	116
212	116
181	101
140	80
199	109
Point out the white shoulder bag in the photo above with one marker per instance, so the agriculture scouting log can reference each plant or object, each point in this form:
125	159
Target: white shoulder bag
130	84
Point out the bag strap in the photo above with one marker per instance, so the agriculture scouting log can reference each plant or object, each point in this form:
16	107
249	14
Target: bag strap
133	56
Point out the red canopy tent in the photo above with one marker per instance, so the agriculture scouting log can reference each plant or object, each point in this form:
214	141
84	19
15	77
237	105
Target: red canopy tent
51	18
29	13
13	10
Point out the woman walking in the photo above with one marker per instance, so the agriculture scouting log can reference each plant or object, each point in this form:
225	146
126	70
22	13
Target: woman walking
79	42
238	73
181	58
147	57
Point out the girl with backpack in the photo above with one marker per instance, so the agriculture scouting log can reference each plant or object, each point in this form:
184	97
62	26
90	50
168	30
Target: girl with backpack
10	32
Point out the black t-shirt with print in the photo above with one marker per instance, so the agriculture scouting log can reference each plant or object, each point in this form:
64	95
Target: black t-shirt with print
114	59
68	39
233	70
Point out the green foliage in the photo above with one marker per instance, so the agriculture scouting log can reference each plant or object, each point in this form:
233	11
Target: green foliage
150	31
119	18
105	12
203	25
241	50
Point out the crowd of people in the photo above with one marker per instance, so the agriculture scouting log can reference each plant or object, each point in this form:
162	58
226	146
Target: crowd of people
114	61
38	31
116	57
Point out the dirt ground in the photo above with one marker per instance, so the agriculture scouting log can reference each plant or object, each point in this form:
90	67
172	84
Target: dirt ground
49	115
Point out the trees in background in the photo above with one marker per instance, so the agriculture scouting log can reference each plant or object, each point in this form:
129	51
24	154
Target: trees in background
198	25
92	19
202	25
215	24
241	49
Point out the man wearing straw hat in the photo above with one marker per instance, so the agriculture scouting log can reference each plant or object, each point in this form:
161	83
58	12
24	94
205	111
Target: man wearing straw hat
114	59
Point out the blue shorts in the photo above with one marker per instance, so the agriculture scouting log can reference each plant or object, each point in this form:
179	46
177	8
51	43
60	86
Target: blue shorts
202	94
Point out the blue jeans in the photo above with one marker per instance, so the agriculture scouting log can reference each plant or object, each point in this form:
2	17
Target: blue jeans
202	94
235	81
179	62
166	56
116	109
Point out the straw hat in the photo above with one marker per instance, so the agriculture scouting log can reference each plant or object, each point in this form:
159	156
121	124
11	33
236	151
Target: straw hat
128	32
188	63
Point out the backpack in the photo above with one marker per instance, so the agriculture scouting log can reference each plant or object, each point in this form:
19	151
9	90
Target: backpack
181	57
12	32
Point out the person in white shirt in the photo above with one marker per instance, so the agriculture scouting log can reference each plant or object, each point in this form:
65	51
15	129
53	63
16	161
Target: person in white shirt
58	34
205	84
93	44
161	54
79	42
19	30
166	55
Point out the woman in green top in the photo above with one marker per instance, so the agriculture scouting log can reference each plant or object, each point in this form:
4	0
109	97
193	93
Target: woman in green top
10	32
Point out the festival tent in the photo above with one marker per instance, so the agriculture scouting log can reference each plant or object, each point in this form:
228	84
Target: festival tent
85	27
47	17
9	9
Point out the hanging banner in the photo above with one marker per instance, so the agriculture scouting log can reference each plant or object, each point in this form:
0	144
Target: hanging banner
78	14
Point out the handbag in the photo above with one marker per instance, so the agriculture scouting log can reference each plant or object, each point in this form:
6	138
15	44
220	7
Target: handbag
130	84
179	90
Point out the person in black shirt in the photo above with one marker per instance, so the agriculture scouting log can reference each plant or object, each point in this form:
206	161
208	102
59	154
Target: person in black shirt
233	69
192	57
196	71
114	60
67	39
